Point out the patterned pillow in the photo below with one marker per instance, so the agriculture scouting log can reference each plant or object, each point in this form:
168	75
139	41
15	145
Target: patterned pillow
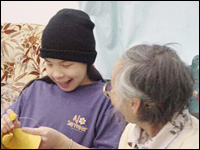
194	101
20	61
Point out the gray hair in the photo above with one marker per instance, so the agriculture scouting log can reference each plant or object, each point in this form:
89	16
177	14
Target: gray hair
157	76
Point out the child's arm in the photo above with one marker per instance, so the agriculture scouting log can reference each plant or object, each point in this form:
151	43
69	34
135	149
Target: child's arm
7	125
53	139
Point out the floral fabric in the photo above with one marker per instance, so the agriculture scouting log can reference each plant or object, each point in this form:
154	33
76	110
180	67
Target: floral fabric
20	61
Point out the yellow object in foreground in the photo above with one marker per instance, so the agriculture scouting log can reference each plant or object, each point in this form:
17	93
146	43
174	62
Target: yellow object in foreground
13	116
19	139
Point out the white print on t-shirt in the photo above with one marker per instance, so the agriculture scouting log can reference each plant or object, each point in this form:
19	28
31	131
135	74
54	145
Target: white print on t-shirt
75	123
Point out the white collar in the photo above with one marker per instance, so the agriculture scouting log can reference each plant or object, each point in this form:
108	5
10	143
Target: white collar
165	136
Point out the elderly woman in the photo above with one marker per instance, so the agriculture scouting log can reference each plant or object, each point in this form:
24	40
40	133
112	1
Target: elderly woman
151	87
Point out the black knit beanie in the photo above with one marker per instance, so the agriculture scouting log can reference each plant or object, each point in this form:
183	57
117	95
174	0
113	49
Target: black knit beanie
69	36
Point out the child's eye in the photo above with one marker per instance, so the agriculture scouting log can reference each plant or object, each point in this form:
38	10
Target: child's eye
49	65
66	66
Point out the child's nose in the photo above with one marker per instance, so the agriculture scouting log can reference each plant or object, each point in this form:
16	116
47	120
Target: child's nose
57	74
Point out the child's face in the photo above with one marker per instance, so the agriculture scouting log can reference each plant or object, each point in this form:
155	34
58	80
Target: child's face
68	75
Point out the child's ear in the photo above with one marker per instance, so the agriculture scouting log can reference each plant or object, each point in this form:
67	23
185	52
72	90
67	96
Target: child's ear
135	105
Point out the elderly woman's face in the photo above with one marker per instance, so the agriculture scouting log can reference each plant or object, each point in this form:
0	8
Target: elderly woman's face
125	107
112	92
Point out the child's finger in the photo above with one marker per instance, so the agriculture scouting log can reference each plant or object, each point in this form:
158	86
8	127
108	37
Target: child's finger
10	111
8	122
4	126
4	130
12	114
13	118
17	123
34	131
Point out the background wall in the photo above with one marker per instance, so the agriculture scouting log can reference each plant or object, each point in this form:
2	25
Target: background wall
37	12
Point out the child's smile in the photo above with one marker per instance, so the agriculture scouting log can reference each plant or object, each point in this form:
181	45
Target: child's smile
65	84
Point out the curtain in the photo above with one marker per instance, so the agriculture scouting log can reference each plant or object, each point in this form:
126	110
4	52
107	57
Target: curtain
119	25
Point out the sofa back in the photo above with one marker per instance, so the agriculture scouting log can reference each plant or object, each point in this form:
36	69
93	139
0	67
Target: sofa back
20	61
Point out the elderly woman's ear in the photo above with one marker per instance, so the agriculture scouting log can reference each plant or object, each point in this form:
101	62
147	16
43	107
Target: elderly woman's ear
135	105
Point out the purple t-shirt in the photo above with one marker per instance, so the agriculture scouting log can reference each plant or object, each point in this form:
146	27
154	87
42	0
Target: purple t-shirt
84	115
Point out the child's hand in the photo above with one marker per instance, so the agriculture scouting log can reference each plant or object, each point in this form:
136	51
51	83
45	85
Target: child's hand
50	137
6	124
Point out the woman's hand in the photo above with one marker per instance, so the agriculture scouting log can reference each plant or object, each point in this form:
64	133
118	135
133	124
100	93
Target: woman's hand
50	138
7	125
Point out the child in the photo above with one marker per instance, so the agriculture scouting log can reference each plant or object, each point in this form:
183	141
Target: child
70	99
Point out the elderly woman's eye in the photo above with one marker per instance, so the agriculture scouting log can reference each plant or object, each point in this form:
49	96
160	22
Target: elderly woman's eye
106	89
109	87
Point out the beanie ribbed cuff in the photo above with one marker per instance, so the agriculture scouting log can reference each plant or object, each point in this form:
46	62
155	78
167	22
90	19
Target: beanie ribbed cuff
77	56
